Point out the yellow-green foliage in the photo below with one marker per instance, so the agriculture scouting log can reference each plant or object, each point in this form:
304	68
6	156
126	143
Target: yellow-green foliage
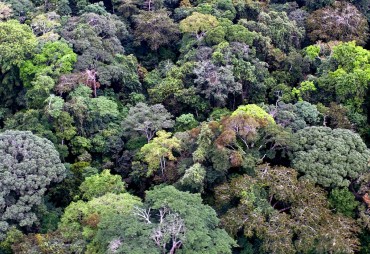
158	150
83	217
16	42
198	22
254	111
312	51
304	88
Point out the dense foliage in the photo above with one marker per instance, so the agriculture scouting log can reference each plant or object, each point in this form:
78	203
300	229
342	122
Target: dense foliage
184	126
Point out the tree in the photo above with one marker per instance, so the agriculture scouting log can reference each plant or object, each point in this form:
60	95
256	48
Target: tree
165	89
155	28
342	22
28	165
98	185
240	127
97	41
45	23
147	120
16	42
331	158
184	225
40	73
55	59
158	151
282	212
185	122
216	83
128	234
5	11
303	90
343	201
193	179
198	24
350	77
254	111
21	8
284	33
39	90
31	120
80	220
64	127
51	242
219	8
230	73
297	116
63	8
336	116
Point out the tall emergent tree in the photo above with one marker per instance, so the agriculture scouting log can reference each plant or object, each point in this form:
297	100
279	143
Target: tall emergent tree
331	158
28	164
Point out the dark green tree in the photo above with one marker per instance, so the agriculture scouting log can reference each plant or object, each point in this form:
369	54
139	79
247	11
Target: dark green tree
331	158
28	165
343	201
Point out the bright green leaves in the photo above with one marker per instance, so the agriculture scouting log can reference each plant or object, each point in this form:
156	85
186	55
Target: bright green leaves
304	88
98	185
80	219
158	151
41	72
185	122
198	23
351	57
254	111
312	51
17	42
352	75
55	59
